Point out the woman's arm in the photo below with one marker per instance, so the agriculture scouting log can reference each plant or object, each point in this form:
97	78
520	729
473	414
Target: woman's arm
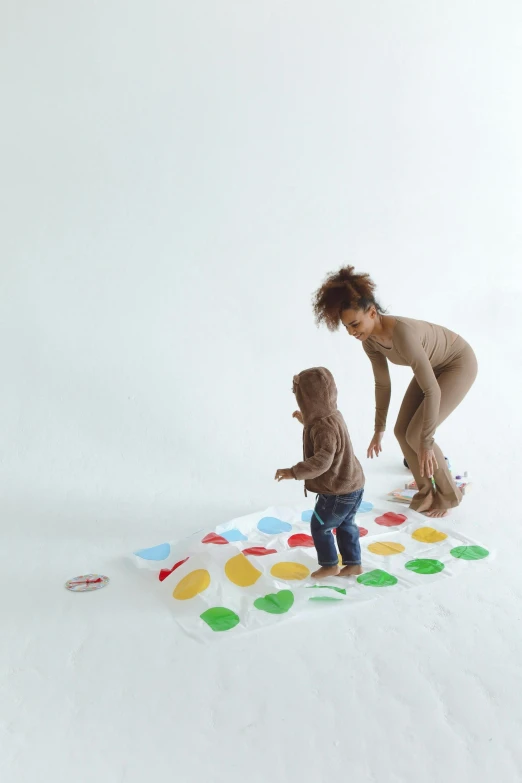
408	344
381	373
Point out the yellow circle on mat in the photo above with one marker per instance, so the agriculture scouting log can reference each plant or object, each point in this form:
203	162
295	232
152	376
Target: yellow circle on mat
385	548
428	535
340	560
192	584
241	572
289	571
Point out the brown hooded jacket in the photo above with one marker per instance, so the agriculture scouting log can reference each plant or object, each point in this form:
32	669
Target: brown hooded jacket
329	467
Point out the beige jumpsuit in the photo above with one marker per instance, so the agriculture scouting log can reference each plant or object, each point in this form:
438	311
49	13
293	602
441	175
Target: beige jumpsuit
444	368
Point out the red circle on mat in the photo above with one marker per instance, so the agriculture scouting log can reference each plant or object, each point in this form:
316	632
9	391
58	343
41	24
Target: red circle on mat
363	532
300	539
165	572
258	551
213	538
390	519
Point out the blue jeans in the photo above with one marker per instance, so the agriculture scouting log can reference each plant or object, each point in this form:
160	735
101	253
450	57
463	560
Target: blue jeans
337	511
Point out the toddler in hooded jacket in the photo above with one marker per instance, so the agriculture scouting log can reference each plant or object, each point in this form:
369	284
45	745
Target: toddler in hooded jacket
331	470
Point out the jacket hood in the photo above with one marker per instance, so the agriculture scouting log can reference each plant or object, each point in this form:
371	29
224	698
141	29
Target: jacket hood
316	393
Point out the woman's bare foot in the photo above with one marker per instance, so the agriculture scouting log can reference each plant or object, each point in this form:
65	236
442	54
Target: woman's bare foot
351	570
436	513
325	571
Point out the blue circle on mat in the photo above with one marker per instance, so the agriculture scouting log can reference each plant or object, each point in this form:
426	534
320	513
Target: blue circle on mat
365	506
306	516
273	525
233	535
160	552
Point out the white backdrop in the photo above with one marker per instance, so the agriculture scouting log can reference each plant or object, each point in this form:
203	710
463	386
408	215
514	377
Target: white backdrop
177	179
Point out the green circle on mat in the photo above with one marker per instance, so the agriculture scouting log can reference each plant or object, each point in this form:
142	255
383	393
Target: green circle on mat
469	552
275	603
324	598
377	578
219	618
423	565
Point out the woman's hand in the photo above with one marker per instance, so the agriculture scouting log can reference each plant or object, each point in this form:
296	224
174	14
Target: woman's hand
284	474
375	445
298	415
427	462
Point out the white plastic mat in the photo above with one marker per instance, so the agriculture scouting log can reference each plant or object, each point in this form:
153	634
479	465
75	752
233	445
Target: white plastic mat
255	570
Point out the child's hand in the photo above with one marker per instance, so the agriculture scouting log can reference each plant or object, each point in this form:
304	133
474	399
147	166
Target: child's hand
298	415
284	474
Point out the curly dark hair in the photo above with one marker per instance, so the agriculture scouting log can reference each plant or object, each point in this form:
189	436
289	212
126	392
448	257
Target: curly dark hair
343	290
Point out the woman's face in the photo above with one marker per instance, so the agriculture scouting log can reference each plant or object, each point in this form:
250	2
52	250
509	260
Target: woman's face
359	323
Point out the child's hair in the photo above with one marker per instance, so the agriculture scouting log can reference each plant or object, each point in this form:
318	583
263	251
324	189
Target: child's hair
343	290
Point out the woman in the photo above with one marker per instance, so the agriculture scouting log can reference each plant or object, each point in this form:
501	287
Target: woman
444	369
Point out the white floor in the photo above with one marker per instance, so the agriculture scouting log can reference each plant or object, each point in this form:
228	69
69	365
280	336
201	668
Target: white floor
421	687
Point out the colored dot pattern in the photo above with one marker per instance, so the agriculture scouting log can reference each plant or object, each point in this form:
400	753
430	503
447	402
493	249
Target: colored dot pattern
219	618
213	538
241	572
160	552
300	539
390	519
324	598
469	552
424	565
259	551
165	572
385	548
365	507
273	526
327	587
377	578
192	584
234	535
290	571
428	535
241	569
275	603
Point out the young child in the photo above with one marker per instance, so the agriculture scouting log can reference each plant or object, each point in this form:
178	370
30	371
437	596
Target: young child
329	469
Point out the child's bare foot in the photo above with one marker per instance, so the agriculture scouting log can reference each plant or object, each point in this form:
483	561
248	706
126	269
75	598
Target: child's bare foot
351	570
436	513
325	571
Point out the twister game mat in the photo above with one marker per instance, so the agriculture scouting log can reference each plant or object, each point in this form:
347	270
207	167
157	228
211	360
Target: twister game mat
254	571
